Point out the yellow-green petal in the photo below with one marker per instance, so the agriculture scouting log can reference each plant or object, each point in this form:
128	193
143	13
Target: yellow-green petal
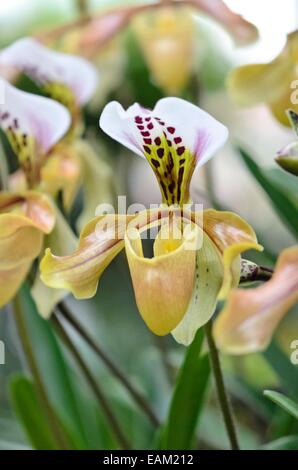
207	284
62	241
232	236
250	316
100	241
163	284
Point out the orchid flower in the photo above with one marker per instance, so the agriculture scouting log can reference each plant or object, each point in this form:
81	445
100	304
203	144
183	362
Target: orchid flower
32	125
71	81
177	289
166	37
25	217
251	316
274	83
287	158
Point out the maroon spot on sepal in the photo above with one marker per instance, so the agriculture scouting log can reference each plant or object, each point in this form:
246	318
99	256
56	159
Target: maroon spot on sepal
150	126
138	120
148	141
141	128
148	119
177	140
145	134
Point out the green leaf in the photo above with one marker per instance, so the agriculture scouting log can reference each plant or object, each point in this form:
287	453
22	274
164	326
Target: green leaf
29	412
188	398
52	366
283	401
283	205
284	443
283	367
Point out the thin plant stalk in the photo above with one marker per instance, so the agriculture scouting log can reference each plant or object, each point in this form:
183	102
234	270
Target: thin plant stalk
54	424
221	390
135	394
111	418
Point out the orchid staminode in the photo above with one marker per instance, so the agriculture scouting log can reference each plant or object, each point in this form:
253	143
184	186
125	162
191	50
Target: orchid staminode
177	289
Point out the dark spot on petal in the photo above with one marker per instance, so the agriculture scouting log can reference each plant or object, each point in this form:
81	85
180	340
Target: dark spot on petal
177	140
169	143
150	126
171	161
180	150
147	149
141	128
148	141
160	152
182	161
171	187
138	120
157	141
171	130
148	119
145	134
155	162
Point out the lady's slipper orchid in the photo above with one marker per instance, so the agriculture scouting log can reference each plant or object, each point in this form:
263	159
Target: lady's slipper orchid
70	80
194	260
166	37
24	219
33	125
274	83
250	316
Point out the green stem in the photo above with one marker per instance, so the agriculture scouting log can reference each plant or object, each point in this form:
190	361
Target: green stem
221	390
92	383
54	424
135	394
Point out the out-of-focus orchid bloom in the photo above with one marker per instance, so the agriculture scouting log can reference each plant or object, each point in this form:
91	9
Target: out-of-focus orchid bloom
33	125
275	83
71	81
177	289
287	158
167	39
89	37
251	316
